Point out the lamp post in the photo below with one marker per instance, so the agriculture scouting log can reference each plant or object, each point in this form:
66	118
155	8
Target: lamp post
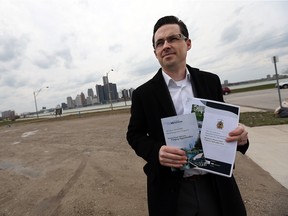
109	92
35	93
274	60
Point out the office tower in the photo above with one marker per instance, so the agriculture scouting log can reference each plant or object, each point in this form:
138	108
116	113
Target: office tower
125	94
89	101
100	93
131	92
70	103
83	99
78	101
90	92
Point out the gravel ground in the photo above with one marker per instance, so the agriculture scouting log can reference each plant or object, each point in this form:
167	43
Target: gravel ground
84	166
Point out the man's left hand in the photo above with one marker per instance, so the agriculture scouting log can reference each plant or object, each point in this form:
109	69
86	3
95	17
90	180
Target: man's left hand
239	134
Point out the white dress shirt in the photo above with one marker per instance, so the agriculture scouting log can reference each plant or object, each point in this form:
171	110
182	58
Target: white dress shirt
181	93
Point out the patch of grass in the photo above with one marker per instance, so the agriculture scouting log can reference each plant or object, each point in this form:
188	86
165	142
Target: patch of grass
254	88
254	119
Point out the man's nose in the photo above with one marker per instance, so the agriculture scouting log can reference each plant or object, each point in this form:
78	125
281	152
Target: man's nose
166	44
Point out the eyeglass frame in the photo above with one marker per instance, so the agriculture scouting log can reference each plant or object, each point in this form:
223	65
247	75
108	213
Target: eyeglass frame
169	40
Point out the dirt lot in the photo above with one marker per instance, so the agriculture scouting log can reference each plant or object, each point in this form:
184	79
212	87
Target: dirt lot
84	166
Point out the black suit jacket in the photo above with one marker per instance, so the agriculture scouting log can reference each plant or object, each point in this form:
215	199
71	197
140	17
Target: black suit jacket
150	103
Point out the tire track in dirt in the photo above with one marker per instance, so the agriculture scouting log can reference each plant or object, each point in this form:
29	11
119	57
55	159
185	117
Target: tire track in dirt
49	206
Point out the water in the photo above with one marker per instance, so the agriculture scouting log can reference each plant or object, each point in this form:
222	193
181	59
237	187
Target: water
81	110
255	84
96	108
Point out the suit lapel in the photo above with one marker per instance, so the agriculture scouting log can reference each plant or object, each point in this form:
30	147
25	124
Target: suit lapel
196	82
161	91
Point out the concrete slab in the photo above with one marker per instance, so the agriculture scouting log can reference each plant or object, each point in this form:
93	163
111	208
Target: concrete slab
269	149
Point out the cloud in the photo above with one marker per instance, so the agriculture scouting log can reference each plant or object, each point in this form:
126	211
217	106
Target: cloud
231	33
265	42
66	56
12	51
116	48
47	61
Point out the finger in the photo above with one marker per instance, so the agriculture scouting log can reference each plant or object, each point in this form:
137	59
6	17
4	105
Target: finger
238	131
171	157
238	134
172	150
243	139
239	139
167	157
172	163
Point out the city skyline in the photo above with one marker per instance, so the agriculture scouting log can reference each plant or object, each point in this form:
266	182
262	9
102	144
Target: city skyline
101	94
127	93
79	99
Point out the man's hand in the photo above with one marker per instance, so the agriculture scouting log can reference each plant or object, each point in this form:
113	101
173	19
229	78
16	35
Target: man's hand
172	157
239	134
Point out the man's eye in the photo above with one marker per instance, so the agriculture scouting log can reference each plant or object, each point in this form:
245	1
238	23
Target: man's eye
159	43
173	38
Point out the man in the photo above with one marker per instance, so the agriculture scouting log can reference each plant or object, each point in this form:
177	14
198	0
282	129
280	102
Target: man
179	193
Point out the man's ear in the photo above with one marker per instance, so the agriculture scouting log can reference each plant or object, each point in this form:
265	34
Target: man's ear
189	44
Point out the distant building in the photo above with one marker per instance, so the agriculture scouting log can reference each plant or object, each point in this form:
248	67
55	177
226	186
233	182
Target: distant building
95	100
100	93
109	87
64	106
9	114
90	93
83	99
78	101
125	94
131	92
89	101
70	103
113	91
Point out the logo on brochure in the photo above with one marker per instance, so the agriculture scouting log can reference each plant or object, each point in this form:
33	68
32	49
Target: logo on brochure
220	124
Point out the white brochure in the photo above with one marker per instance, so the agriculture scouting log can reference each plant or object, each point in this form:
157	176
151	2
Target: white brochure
202	135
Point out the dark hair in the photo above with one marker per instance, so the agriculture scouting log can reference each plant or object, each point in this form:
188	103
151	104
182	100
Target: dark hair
170	20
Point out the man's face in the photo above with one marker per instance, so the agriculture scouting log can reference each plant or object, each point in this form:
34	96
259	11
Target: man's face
171	47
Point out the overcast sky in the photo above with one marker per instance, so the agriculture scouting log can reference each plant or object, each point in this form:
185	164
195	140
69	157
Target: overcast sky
69	45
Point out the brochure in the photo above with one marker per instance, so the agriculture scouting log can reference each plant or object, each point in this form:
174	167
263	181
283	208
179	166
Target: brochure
202	135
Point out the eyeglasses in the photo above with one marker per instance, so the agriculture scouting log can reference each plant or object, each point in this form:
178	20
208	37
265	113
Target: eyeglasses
170	39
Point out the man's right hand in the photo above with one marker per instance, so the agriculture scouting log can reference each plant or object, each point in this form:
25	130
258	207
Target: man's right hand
172	157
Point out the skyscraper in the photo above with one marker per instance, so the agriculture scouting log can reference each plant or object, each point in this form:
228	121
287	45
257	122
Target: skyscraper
70	103
90	92
109	87
83	99
100	93
78	101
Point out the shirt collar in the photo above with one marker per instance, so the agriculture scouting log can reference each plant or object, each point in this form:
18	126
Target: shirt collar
169	81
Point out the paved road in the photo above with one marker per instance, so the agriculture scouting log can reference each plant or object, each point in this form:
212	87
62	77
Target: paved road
264	99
